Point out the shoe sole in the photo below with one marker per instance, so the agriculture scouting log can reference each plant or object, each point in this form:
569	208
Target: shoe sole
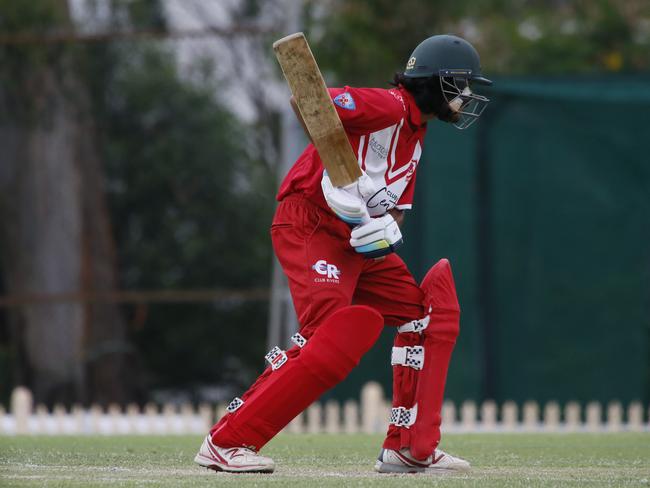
382	467
390	468
209	463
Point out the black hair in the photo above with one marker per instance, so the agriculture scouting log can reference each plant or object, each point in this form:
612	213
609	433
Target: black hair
428	96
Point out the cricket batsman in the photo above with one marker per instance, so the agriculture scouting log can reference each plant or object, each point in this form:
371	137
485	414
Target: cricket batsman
336	246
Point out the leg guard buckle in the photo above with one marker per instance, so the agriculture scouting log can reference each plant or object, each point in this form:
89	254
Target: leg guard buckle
234	405
408	356
414	325
276	357
298	339
402	416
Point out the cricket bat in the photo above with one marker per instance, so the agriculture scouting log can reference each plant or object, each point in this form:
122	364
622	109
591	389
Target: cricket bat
316	108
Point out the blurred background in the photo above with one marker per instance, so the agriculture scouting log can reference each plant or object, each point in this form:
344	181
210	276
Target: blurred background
142	141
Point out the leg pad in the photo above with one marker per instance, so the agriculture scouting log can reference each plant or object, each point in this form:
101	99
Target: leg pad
439	339
329	355
420	391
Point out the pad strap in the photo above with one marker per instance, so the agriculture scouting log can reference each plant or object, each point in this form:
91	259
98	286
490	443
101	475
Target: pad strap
276	357
298	339
412	357
414	325
235	404
402	416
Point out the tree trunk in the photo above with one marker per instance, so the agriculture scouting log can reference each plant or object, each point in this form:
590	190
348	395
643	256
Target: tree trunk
42	203
55	233
111	369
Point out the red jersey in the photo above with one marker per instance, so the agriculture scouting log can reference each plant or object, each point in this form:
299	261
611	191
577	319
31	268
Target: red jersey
386	132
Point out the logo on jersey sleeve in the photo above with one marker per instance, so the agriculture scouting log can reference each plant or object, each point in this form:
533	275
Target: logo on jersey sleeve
345	100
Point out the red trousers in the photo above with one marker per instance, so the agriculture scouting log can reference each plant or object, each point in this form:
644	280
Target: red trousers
326	274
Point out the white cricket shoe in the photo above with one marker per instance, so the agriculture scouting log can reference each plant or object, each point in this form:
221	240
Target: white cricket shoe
391	461
232	459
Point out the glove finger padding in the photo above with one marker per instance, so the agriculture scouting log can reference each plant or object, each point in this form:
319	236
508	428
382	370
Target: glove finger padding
347	202
364	240
365	186
379	237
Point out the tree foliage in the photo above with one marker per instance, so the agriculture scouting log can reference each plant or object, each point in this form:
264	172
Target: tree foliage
189	203
23	65
191	206
364	41
192	210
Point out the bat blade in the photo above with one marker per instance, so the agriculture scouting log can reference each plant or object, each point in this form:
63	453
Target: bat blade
313	100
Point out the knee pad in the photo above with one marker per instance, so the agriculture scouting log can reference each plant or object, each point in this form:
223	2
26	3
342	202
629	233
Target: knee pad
441	301
329	355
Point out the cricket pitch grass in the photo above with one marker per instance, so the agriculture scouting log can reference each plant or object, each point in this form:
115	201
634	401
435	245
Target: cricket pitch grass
498	460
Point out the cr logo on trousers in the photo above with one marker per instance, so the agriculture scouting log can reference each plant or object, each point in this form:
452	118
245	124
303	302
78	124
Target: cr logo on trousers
330	270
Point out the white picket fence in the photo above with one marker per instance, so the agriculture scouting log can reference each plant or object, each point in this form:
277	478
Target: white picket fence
370	415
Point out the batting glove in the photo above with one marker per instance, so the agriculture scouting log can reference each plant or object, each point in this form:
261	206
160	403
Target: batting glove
379	237
349	202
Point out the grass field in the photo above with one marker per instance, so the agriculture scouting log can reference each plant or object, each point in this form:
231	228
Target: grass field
514	460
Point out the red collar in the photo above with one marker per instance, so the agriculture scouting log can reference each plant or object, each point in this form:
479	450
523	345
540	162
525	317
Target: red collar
414	113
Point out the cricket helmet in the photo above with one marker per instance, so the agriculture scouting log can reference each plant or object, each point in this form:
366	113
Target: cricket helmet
457	64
